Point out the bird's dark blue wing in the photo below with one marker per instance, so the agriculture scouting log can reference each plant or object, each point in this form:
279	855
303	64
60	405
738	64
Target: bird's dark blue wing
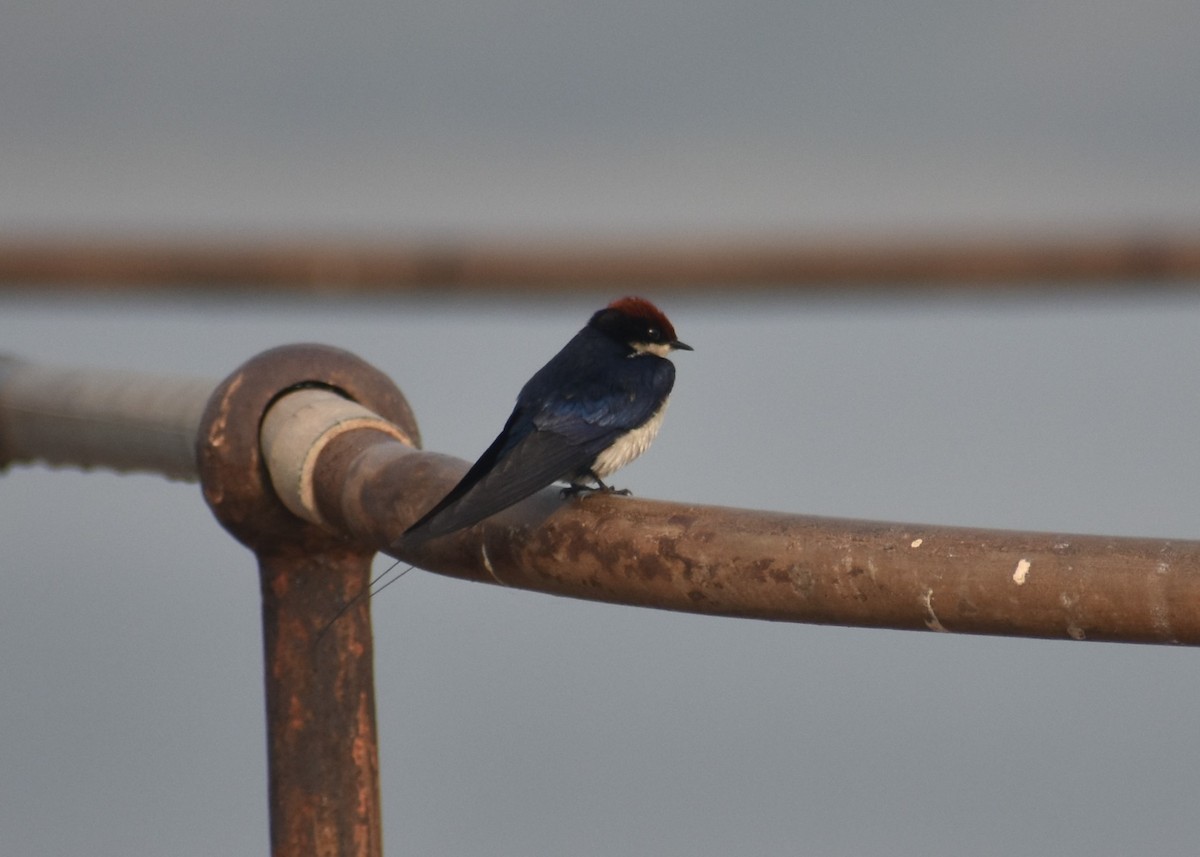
455	510
538	460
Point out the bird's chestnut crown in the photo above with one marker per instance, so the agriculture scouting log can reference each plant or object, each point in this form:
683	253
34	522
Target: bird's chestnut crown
640	325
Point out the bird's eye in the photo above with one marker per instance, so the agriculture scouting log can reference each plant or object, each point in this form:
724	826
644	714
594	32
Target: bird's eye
653	334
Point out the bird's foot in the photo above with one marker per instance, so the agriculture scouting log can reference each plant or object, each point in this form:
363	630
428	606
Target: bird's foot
624	492
600	488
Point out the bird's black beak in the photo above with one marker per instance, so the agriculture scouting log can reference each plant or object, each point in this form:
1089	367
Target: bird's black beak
681	346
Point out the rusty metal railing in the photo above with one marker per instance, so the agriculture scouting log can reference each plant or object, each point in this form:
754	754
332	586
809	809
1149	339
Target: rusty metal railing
310	458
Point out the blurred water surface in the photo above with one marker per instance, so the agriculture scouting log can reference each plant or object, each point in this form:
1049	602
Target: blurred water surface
514	723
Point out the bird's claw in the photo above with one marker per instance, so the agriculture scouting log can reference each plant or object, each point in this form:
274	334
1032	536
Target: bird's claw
587	490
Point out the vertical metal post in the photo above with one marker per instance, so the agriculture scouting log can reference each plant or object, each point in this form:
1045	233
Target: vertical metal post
320	693
321	740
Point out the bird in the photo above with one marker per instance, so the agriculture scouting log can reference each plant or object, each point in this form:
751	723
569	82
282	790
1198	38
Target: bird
593	408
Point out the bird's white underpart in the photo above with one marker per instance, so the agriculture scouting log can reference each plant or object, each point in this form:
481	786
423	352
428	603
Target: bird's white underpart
630	446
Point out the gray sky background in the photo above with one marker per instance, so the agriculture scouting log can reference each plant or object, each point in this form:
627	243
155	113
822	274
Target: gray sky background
513	724
518	116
